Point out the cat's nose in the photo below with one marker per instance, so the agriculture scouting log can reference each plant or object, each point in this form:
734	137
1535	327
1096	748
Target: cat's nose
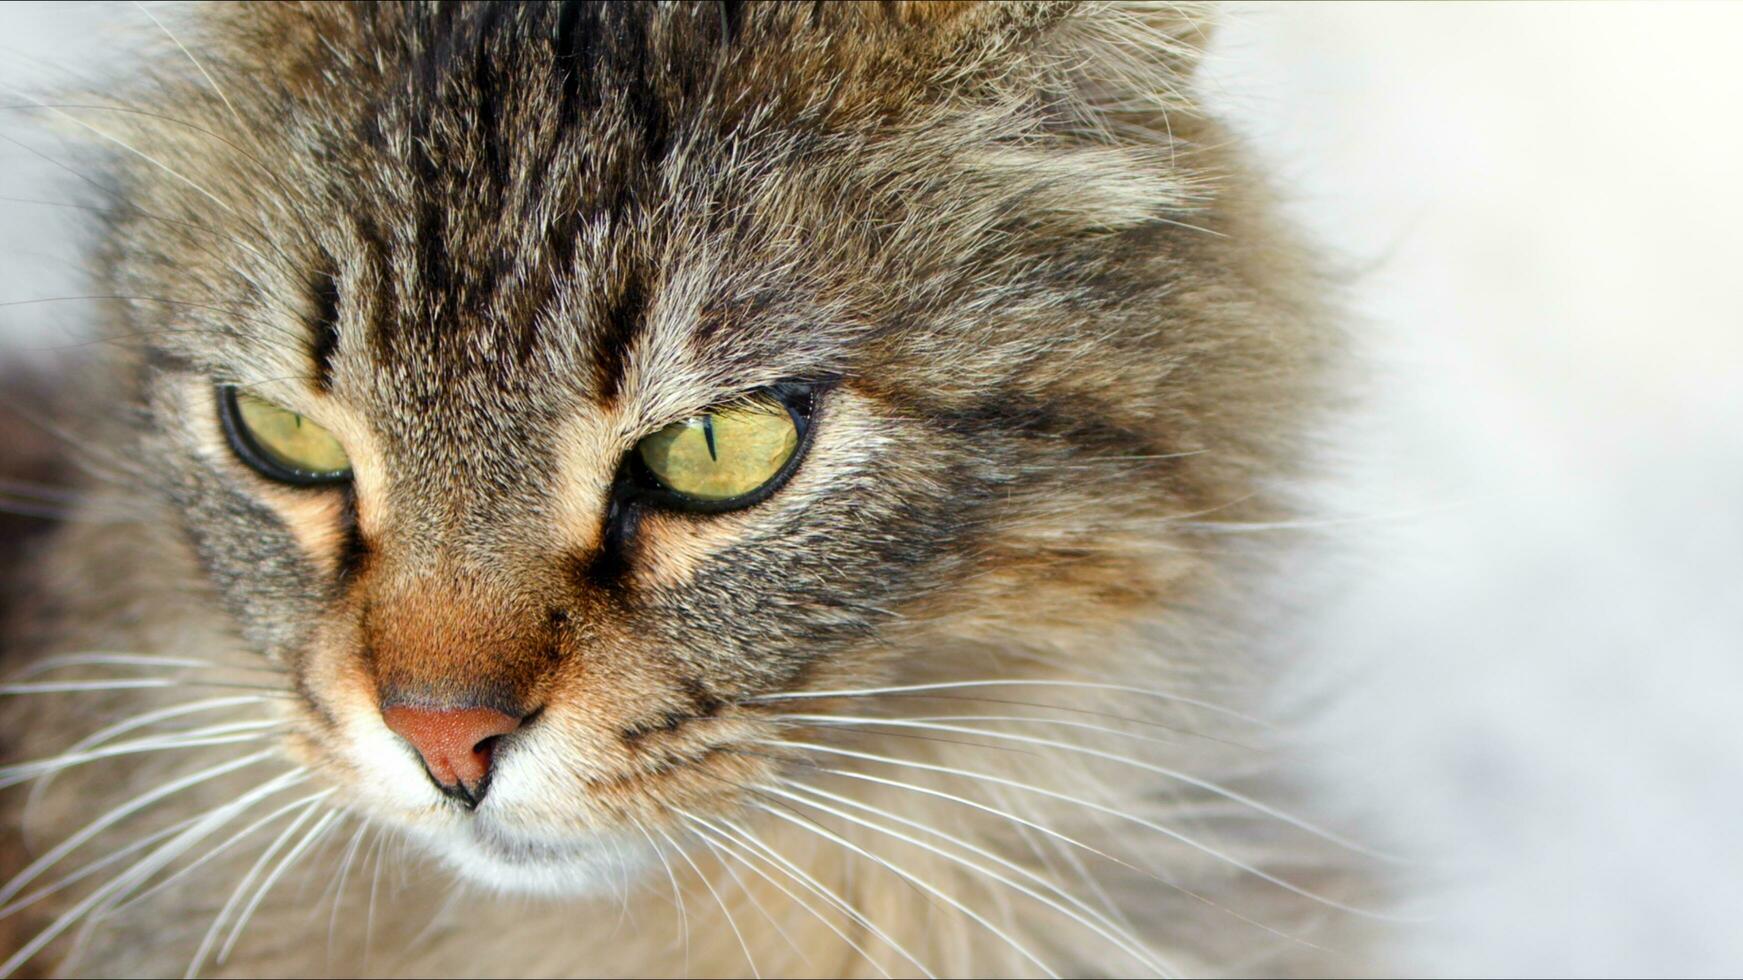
456	743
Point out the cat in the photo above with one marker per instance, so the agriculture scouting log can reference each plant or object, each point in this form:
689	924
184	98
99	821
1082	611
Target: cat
695	488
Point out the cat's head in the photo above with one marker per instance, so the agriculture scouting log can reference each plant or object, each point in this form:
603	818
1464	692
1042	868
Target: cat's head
549	388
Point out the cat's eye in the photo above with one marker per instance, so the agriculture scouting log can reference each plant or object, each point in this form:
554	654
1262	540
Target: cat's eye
727	457
279	443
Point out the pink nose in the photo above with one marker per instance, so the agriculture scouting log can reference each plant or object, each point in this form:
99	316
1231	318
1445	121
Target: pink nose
456	743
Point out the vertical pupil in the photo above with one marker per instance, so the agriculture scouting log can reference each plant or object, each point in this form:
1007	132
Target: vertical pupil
722	454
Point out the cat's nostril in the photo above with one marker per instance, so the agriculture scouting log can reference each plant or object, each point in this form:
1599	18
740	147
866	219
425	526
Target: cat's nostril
457	744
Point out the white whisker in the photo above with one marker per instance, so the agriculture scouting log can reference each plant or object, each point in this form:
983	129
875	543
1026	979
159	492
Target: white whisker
340	878
120	884
47	664
212	853
726	856
380	847
118	141
1013	682
95	827
64	687
130	684
73	878
677	893
730	922
848	908
726	841
318	831
1075	845
1083	915
1204	784
216	89
130	724
994	811
246	731
164	714
1074	710
1047	849
242	887
913	879
1202	848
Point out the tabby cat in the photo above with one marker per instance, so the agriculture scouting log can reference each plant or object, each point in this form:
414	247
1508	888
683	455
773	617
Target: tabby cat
682	488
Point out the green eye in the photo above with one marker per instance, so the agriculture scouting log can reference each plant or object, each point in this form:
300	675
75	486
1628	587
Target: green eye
725	457
281	444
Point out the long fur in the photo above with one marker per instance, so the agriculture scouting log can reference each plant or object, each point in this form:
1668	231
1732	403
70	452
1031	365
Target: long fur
974	693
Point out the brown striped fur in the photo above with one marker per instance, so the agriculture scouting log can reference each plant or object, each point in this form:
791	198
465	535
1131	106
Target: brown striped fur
1058	344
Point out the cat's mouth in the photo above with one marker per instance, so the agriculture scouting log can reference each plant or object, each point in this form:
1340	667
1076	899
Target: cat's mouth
510	845
545	829
572	804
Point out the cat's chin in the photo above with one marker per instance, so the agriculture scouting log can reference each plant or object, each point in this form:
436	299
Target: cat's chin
507	861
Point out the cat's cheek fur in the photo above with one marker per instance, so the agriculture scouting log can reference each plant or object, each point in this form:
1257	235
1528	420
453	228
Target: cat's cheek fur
266	562
341	724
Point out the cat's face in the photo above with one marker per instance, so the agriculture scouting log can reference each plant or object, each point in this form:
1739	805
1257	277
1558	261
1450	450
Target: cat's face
492	250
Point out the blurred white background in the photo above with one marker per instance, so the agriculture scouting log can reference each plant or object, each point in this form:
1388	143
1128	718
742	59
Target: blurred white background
1542	208
1541	211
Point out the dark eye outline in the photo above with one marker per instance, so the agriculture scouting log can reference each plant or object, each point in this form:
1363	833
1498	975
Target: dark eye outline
257	457
800	401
